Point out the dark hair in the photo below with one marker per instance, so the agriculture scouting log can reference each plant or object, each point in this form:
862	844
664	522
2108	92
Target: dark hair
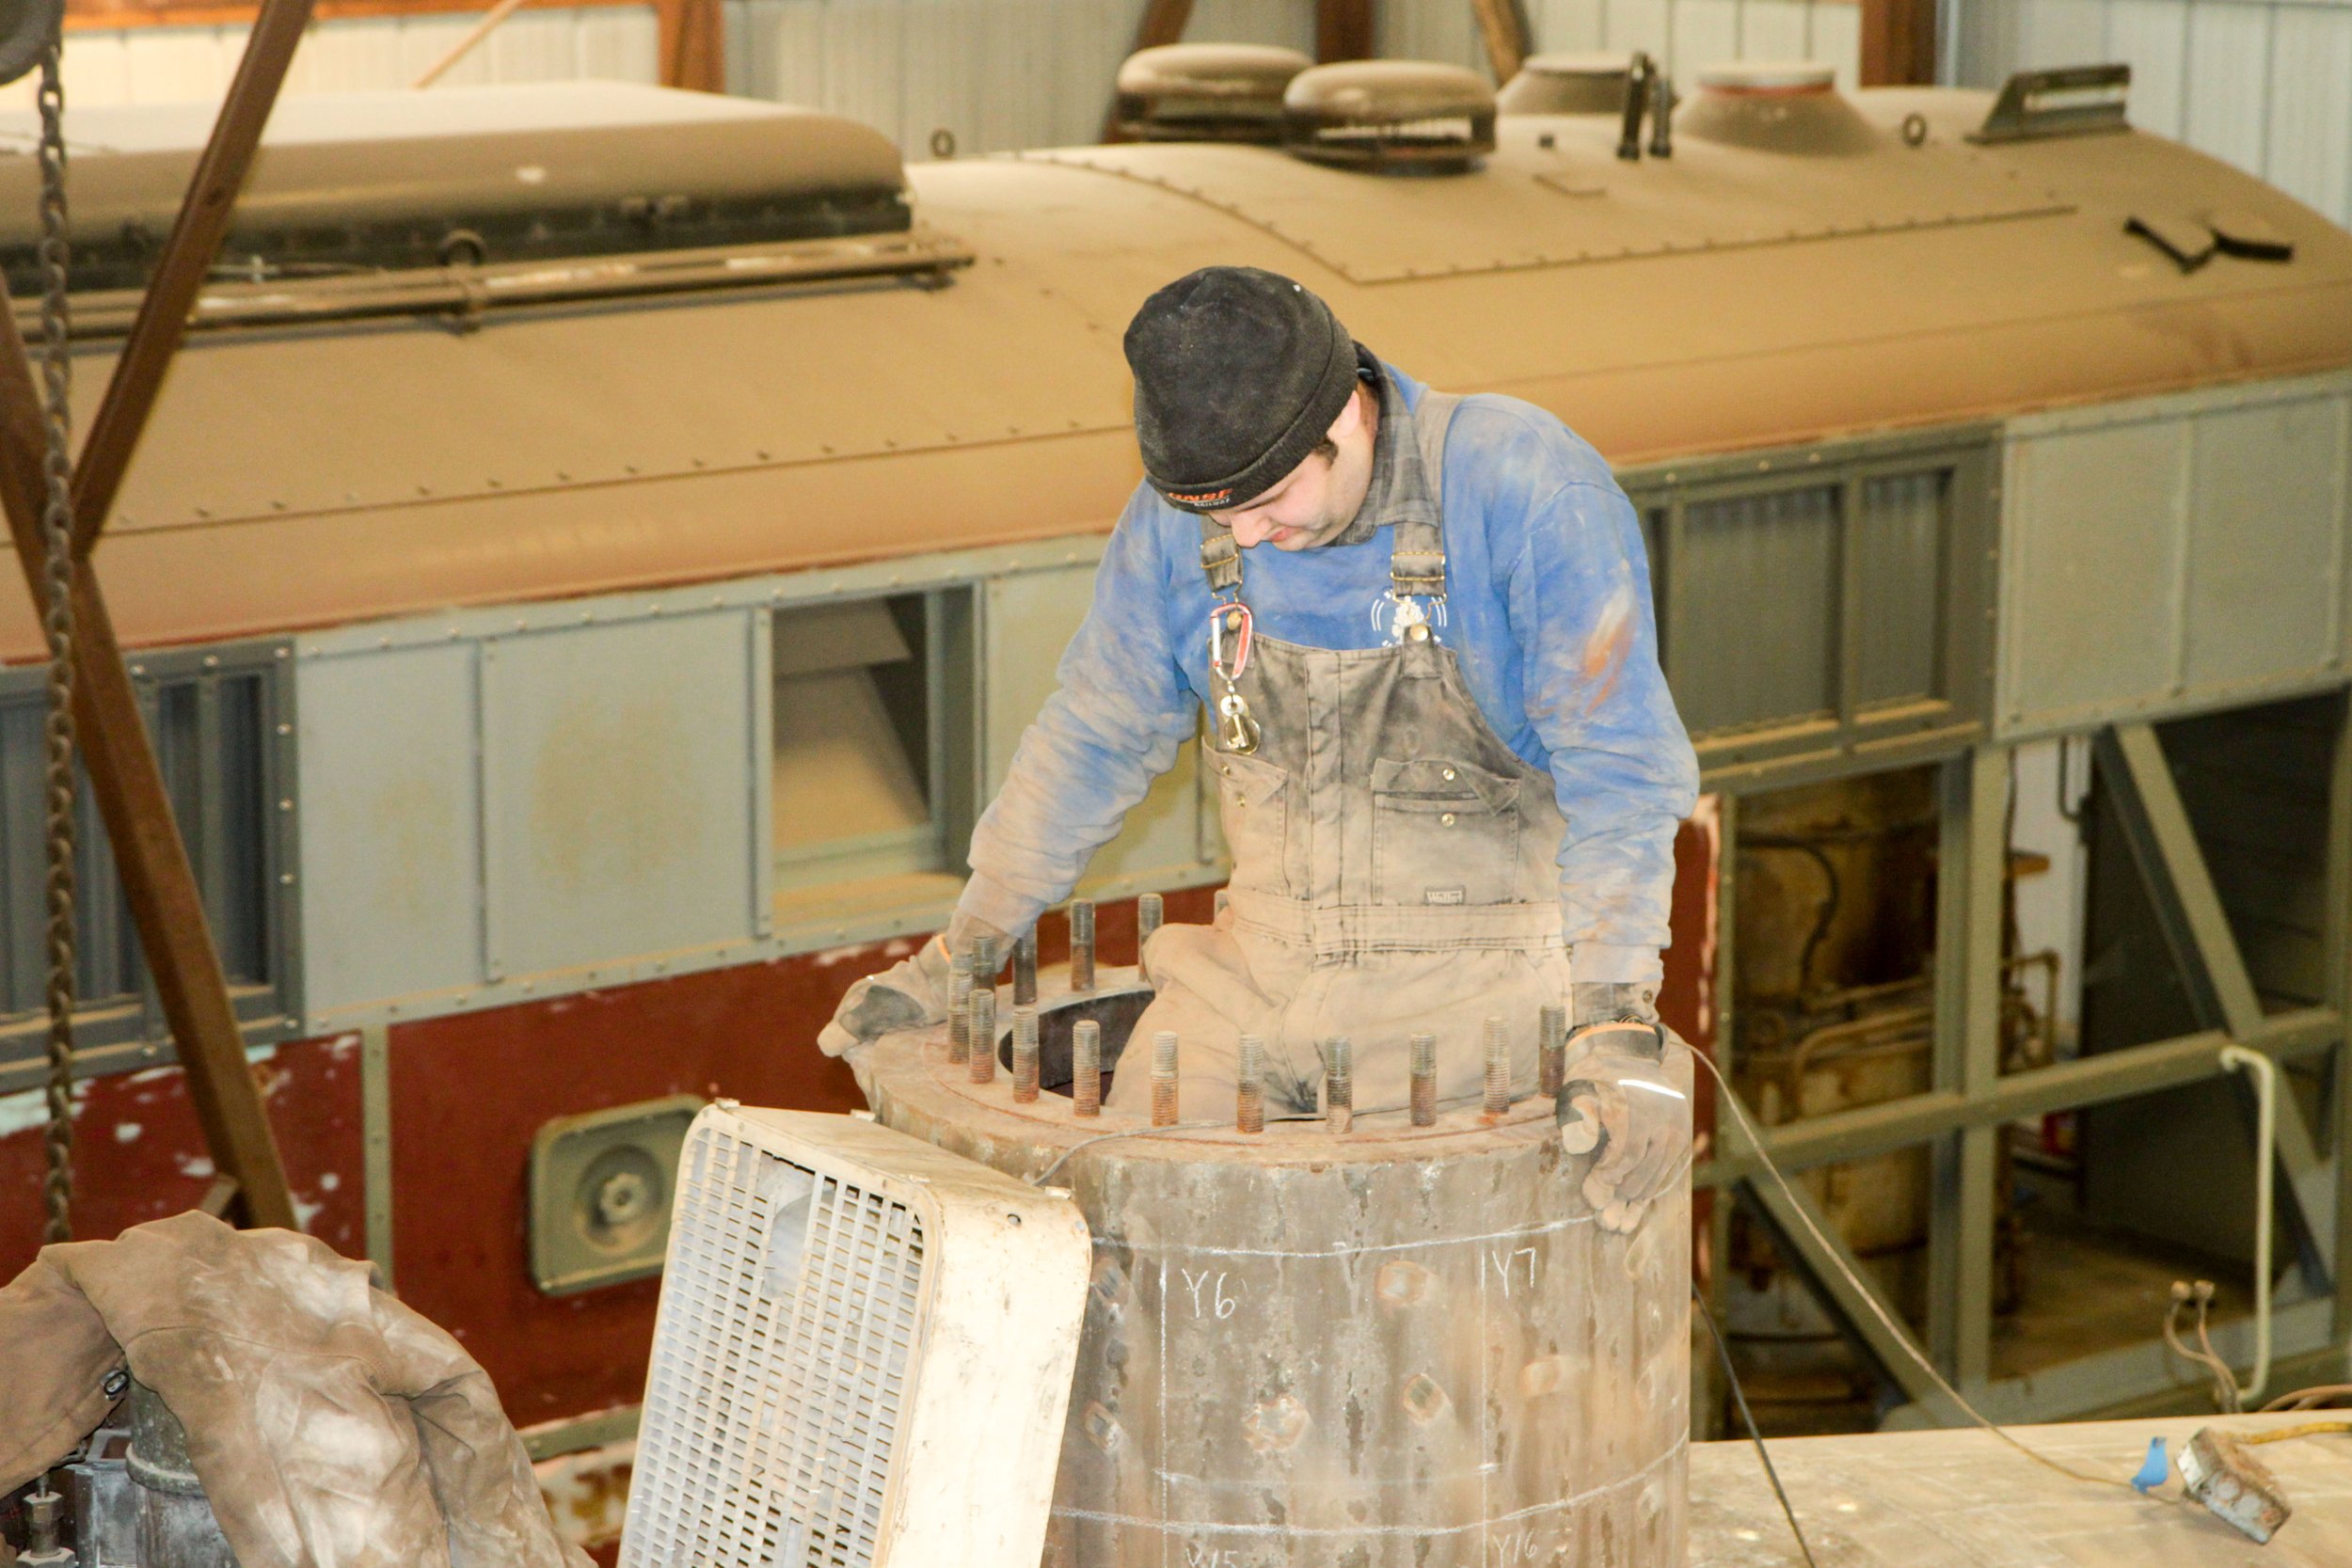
1328	450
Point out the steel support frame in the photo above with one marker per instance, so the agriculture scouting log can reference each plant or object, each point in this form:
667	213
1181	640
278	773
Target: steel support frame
1960	1115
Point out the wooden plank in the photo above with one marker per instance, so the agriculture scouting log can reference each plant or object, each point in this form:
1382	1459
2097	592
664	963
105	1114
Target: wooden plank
1897	44
1502	27
1163	23
693	44
105	16
180	270
1345	30
1966	1499
129	792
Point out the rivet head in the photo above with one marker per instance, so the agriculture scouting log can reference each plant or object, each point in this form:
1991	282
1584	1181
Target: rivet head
1418	634
1449	773
1447	819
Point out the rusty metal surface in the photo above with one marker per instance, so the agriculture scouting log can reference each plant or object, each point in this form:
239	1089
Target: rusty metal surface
1404	1346
317	478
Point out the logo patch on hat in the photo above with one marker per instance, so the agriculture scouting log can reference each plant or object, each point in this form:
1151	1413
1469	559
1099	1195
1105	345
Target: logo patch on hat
1202	498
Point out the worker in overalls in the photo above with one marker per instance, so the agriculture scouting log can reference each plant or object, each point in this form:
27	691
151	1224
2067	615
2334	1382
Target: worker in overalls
1421	630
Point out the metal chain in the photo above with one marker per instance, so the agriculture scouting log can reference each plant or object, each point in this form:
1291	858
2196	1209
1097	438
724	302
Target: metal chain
58	535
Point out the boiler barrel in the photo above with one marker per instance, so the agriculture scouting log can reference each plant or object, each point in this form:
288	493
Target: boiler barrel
1404	1346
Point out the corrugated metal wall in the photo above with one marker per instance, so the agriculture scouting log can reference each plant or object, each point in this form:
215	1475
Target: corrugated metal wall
992	73
162	64
2265	83
1692	34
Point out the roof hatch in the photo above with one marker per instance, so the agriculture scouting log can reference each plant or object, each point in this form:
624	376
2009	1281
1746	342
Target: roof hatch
1791	106
1206	92
376	182
1404	117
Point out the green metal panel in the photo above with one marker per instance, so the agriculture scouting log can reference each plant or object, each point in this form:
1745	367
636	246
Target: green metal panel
1030	618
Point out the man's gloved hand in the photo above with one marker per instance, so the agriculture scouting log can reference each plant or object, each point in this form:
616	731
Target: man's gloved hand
910	994
1627	1094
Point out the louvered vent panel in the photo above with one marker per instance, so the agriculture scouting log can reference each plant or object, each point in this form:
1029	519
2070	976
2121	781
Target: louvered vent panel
780	1366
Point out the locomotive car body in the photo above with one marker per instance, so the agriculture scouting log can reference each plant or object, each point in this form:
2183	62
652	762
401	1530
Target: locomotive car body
579	644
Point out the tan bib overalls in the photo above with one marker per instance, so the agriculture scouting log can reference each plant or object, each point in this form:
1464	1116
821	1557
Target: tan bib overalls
1394	862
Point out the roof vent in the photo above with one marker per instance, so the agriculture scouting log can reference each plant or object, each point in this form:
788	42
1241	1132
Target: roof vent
1401	117
1206	92
1791	107
1568	85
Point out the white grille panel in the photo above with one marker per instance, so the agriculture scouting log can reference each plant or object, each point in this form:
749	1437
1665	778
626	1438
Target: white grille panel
780	1366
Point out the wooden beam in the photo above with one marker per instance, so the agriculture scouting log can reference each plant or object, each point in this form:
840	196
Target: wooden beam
1897	44
693	44
161	887
180	270
1345	30
1163	22
1504	26
90	16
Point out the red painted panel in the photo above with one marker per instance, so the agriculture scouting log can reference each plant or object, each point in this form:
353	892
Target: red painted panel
1687	1000
470	1091
137	1154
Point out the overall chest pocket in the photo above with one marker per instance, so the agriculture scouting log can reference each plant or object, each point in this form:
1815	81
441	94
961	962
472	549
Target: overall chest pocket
1254	798
1443	832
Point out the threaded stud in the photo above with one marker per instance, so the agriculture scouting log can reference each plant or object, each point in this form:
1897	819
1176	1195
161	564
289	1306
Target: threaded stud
1086	1059
1424	1068
1498	1067
1163	1079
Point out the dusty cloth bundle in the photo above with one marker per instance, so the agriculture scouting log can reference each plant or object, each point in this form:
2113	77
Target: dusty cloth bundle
332	1426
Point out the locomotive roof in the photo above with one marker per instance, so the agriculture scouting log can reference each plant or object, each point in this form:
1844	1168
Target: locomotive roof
1727	298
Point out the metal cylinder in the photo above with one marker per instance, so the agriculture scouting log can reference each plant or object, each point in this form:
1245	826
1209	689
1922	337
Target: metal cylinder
1552	1056
1498	1067
986	960
1164	1078
983	1026
1339	1084
1025	1054
1423	1063
1250	1086
958	1000
1085	1068
176	1523
1403	1349
1025	969
1082	945
1151	910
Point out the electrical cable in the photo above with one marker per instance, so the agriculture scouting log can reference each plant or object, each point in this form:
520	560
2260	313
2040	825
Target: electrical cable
1739	1397
1895	1329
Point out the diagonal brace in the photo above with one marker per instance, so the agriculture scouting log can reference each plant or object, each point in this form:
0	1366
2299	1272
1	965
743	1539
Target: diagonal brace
1831	1270
2180	886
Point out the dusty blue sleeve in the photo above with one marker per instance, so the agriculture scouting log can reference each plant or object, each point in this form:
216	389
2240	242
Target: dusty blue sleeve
1112	727
1580	606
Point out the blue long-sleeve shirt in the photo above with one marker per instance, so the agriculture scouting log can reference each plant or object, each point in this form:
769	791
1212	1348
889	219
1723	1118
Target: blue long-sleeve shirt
1547	609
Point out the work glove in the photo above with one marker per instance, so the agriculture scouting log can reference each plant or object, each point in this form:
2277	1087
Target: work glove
1628	1095
910	994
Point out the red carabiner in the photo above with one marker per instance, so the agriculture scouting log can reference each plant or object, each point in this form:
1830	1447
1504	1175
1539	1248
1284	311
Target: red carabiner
1234	618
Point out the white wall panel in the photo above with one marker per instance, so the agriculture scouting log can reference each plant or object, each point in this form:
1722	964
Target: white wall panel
1690	34
2308	149
165	65
2265	83
2153	35
2226	110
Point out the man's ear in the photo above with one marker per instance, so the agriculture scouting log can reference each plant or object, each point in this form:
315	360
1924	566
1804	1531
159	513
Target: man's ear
1351	417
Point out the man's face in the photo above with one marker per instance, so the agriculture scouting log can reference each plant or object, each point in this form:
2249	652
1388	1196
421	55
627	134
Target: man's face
1314	502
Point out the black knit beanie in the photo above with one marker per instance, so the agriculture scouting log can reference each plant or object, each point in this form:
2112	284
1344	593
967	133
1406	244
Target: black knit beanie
1239	373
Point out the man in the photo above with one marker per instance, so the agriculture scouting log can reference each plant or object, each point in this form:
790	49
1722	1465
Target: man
1451	771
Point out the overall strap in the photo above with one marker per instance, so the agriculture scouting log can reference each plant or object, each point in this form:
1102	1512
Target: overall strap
1417	555
1220	558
